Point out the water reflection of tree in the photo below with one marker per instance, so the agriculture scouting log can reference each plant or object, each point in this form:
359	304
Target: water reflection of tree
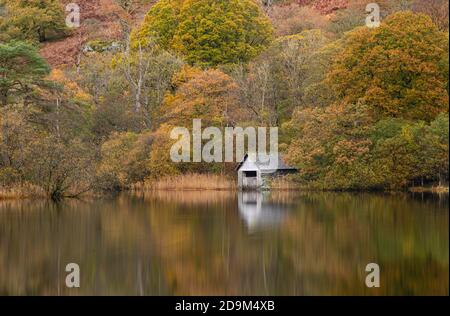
109	240
322	248
197	243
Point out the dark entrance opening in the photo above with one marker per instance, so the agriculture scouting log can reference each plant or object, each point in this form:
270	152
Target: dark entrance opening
250	174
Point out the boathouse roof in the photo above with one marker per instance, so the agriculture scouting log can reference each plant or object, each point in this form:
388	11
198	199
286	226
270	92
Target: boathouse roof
265	164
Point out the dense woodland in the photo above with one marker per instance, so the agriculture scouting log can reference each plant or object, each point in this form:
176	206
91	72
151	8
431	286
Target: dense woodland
358	108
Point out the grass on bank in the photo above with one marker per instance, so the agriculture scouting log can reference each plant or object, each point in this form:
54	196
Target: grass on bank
215	182
284	184
25	191
30	191
433	189
188	182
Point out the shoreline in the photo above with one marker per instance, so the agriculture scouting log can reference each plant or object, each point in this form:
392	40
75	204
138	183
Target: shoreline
17	193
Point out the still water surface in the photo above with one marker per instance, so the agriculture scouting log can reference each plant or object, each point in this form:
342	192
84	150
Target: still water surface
224	243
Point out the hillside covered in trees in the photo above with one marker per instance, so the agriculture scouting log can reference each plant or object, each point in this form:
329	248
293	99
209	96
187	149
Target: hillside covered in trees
91	108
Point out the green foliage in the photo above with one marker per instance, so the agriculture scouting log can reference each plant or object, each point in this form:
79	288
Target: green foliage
31	20
341	147
107	86
147	71
21	69
208	32
400	69
160	23
415	151
46	143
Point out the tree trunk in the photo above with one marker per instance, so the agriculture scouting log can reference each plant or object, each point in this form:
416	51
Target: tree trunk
58	133
139	82
4	98
138	105
41	33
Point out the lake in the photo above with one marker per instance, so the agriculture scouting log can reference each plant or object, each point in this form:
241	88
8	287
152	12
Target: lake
225	243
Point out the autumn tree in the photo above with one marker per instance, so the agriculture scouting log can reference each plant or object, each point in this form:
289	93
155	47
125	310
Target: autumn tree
208	32
127	87
209	95
63	108
30	154
15	135
342	147
124	160
407	153
437	154
113	106
330	146
400	69
32	20
61	168
283	77
147	70
159	162
47	142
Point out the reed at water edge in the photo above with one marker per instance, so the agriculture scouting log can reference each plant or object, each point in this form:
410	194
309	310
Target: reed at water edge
192	181
24	191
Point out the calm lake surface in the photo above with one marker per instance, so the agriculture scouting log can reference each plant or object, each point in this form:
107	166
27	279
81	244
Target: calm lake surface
224	243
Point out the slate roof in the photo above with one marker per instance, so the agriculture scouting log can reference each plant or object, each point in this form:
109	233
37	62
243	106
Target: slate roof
265	165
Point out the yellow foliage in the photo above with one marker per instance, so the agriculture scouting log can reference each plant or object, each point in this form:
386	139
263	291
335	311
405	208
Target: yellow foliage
70	88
